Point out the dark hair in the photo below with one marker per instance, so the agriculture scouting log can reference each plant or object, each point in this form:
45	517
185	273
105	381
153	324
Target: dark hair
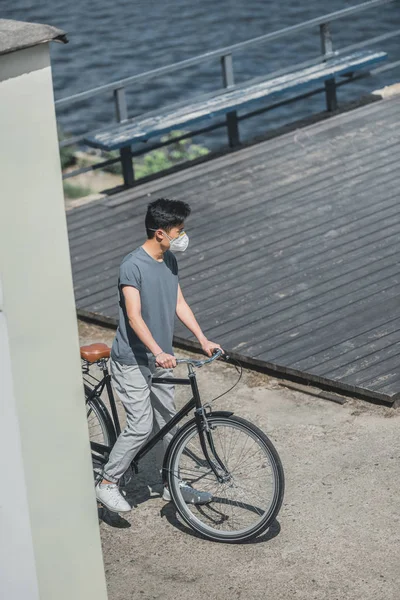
165	214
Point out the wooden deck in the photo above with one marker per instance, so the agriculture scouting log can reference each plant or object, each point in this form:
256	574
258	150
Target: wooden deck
293	261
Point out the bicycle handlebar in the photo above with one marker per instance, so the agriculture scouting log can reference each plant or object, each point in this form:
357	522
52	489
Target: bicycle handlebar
200	363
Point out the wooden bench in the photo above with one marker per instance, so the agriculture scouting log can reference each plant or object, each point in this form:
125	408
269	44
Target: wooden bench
122	135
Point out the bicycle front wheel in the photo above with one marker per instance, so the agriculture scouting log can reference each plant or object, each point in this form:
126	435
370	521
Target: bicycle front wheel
246	484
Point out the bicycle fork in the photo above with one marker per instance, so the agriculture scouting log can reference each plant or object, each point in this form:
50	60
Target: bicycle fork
204	429
206	442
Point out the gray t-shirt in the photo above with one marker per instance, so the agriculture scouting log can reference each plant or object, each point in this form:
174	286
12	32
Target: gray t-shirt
157	283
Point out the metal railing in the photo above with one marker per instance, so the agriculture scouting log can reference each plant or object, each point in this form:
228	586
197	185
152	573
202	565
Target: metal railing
225	56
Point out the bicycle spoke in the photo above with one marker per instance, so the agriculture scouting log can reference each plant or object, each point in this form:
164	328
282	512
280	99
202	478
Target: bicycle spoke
232	448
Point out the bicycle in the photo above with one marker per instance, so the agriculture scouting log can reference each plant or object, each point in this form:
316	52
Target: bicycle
215	451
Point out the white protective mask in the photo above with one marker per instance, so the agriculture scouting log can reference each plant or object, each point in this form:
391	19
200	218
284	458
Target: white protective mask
178	244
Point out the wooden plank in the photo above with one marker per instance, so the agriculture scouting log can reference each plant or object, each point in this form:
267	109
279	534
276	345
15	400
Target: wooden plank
391	388
345	352
282	282
352	137
303	192
265	172
323	334
138	129
98	280
285	238
291	257
371	364
272	328
381	373
250	208
299	298
312	253
290	332
93	298
235	326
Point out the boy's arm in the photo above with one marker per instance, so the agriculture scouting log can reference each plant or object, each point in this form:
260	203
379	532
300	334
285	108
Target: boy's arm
185	314
133	310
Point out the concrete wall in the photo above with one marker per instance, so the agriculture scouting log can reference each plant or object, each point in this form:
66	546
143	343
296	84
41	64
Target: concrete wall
47	501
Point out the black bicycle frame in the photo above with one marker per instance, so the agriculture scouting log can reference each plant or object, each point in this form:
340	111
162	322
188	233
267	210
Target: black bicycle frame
193	403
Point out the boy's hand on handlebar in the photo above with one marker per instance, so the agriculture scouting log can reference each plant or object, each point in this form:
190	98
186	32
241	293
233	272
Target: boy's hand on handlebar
210	347
166	361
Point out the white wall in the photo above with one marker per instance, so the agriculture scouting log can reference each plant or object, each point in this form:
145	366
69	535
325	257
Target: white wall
42	393
15	528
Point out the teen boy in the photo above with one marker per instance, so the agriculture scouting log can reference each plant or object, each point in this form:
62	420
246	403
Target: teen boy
149	298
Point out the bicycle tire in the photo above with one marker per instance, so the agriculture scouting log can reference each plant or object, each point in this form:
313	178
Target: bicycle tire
98	418
216	521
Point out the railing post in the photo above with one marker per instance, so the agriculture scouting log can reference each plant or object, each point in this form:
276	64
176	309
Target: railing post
231	117
327	49
121	111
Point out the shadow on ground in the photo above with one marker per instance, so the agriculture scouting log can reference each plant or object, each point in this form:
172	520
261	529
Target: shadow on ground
170	513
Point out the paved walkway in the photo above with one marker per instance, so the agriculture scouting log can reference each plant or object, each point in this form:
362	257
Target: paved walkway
338	533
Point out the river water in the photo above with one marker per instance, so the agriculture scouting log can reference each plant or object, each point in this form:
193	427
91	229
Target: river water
112	40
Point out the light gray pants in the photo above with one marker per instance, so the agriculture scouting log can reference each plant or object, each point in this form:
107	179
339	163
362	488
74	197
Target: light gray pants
147	405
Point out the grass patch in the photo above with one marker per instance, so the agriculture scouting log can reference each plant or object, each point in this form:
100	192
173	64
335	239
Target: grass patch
67	154
73	191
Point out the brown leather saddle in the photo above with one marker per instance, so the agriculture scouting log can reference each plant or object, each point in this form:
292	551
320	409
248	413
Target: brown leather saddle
95	352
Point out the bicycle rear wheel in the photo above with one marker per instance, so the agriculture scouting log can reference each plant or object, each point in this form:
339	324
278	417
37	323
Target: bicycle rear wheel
248	488
100	425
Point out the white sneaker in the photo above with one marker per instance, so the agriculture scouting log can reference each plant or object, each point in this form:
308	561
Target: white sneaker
109	495
189	494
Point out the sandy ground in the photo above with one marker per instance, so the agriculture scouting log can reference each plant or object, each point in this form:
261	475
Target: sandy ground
97	181
388	91
337	535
